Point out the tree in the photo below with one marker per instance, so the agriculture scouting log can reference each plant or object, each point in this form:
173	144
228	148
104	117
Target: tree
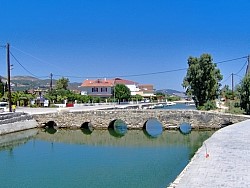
202	80
227	93
122	92
136	97
1	88
62	83
244	93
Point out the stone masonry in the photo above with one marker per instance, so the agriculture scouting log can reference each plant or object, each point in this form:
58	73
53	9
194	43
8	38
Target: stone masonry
135	119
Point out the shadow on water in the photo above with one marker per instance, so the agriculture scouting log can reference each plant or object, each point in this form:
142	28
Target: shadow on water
50	130
152	128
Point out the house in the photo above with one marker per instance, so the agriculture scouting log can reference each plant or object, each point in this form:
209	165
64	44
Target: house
104	87
98	88
146	90
133	86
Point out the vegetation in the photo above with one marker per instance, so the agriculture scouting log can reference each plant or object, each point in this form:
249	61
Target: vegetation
122	92
244	93
172	98
202	80
227	93
136	97
234	107
1	88
62	83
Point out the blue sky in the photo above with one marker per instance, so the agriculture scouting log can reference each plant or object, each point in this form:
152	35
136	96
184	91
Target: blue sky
106	38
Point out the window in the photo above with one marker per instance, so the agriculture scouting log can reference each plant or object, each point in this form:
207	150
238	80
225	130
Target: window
104	89
94	89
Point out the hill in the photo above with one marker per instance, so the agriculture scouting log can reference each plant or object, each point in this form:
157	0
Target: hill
21	83
169	91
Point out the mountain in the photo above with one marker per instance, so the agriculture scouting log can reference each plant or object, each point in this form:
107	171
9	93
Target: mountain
169	91
21	83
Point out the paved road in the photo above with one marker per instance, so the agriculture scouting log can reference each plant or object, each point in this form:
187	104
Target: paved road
53	110
73	109
228	164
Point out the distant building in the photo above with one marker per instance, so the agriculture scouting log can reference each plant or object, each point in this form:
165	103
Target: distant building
97	88
104	87
146	90
133	86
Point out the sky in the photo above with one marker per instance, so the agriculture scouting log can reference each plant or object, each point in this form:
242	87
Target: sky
146	41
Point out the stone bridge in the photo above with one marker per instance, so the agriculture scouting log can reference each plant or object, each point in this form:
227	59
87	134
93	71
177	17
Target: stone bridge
135	119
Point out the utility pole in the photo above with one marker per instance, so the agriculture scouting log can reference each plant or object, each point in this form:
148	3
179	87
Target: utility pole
232	83
248	65
51	81
8	72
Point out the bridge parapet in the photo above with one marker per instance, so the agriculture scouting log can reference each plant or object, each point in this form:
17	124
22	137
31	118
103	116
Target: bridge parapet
135	119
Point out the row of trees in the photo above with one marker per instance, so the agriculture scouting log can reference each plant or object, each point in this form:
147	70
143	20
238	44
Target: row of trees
202	83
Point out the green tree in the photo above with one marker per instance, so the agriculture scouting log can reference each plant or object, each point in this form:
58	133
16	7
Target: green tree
244	93
202	80
227	93
1	88
136	97
62	83
122	92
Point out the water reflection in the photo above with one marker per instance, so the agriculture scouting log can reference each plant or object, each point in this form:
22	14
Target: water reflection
98	159
50	130
185	128
131	138
9	141
152	128
117	128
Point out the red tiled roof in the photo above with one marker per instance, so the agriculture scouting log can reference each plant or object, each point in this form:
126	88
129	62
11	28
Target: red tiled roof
125	82
98	83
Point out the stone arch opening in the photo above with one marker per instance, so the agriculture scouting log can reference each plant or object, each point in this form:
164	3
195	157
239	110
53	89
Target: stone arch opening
185	128
50	124
87	128
117	127
152	128
111	124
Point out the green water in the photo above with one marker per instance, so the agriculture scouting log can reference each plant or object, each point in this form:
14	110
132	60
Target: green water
70	158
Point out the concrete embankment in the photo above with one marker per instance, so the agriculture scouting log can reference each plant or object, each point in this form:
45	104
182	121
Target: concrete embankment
222	161
14	122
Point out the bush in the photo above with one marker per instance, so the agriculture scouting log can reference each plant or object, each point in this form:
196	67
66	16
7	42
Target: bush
209	105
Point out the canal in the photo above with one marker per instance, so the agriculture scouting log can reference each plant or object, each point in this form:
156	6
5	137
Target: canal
76	158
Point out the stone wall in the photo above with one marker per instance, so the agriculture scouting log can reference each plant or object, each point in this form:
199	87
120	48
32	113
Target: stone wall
135	119
14	122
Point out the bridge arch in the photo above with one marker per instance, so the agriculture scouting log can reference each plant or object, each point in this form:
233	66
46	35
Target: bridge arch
117	127
50	124
87	127
152	128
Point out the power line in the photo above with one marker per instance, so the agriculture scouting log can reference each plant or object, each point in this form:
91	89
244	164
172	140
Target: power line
131	75
225	61
38	59
226	79
23	66
153	73
242	68
238	75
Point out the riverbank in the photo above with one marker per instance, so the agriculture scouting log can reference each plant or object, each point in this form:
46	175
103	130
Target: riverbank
14	122
222	161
